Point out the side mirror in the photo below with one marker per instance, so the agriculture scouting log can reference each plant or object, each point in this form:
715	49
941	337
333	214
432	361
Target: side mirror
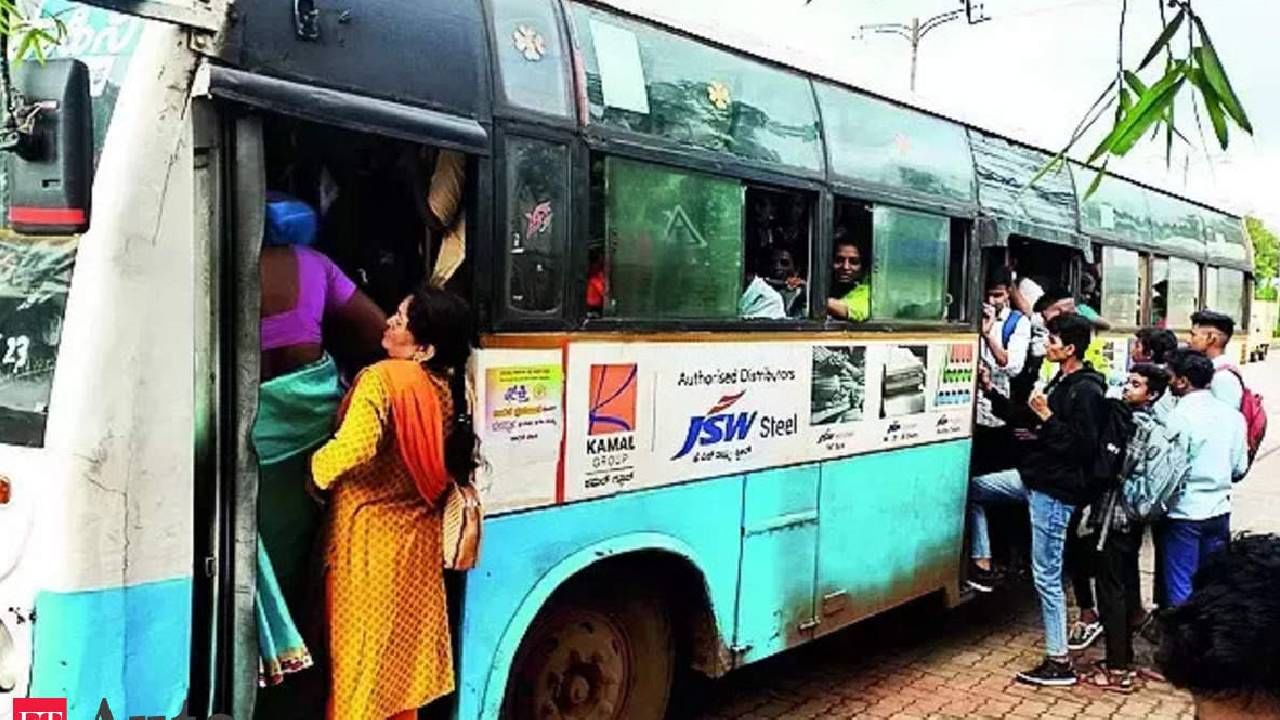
51	169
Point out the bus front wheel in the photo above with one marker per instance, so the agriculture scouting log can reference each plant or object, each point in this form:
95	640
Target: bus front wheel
597	653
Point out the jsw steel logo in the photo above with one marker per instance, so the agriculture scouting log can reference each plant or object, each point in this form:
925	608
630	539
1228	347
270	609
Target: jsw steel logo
717	426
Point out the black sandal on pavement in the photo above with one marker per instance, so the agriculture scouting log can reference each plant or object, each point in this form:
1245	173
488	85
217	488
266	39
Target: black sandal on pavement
1117	681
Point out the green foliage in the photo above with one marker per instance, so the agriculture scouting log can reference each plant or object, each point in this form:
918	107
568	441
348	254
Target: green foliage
1190	61
1266	263
33	37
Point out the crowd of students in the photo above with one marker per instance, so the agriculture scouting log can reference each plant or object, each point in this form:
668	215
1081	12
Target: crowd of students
1098	463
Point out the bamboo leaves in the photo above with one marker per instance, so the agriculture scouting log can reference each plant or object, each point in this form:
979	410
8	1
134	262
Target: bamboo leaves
1151	107
1165	37
33	37
1143	108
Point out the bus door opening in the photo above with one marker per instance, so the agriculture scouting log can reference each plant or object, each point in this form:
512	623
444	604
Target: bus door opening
355	222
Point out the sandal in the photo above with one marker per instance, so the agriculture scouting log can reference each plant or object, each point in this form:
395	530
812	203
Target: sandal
1152	674
1117	681
1083	634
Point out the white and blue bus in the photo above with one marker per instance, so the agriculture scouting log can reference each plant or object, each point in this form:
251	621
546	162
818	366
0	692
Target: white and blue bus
669	486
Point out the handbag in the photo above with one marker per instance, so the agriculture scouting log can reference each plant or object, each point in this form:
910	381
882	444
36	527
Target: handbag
461	527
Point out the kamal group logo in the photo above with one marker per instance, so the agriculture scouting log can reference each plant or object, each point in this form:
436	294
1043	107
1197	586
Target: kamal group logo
717	426
612	399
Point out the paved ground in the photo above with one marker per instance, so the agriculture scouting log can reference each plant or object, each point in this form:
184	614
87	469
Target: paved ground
923	662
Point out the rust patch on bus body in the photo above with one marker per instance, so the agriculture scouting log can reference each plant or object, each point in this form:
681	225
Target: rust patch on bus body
941	575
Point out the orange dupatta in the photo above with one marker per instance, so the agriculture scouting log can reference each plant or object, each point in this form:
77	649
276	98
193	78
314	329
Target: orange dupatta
417	423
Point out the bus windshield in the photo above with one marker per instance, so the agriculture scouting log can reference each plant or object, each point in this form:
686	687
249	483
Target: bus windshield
35	273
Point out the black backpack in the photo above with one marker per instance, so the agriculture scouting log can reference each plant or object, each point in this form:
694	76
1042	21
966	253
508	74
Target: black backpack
1104	470
1115	429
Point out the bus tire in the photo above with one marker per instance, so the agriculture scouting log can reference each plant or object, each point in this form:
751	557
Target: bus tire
597	652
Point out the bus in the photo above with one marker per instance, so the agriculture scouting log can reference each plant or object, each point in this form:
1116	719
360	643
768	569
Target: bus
670	487
1264	321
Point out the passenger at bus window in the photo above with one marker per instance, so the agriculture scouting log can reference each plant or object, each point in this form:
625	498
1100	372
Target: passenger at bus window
1211	331
850	296
785	279
595	281
303	294
405	438
759	300
1222	643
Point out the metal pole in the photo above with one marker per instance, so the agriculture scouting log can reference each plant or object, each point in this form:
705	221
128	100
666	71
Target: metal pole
915	50
913	32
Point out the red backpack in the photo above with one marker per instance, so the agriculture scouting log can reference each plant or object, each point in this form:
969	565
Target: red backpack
1255	415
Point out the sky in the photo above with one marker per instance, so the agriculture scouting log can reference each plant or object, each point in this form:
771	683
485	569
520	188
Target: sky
1030	72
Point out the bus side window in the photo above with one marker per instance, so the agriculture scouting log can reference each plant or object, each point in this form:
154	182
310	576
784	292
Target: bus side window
912	253
666	243
1227	293
1175	292
537	210
1121	286
1160	291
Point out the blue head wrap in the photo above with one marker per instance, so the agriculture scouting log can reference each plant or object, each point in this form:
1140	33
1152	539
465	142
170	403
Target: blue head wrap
289	221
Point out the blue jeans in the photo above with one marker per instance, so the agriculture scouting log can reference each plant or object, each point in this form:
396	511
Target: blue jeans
1186	543
1049	520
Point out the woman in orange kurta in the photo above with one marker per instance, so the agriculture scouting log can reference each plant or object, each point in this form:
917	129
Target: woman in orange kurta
399	446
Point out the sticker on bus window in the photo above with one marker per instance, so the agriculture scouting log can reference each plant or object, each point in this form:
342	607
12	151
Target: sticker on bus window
1106	216
520	426
621	71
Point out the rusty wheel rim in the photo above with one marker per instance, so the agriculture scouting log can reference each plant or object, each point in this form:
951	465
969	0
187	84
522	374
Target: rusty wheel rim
585	662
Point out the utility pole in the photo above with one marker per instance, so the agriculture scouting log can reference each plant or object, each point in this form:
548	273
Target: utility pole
970	7
915	31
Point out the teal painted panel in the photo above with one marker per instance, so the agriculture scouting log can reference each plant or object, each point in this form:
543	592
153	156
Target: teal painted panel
891	527
525	556
779	555
127	645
